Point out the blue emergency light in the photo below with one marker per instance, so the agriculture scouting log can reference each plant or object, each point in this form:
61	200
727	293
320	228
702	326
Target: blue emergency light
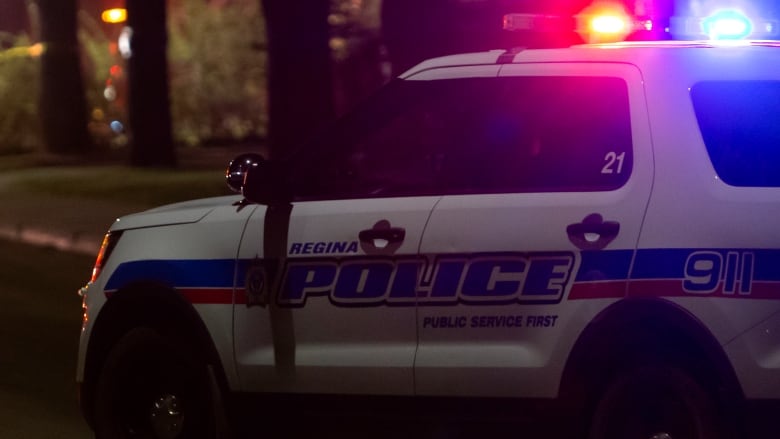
727	25
723	25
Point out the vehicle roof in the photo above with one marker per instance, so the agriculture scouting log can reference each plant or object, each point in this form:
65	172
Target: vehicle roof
740	59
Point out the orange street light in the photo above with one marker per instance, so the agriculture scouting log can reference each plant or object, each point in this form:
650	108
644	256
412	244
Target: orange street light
115	15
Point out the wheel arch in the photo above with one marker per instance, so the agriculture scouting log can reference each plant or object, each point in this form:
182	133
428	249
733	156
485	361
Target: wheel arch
639	330
144	303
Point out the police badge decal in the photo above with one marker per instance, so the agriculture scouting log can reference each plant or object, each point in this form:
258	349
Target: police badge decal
255	284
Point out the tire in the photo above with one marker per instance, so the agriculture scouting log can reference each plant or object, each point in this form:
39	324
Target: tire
152	387
655	402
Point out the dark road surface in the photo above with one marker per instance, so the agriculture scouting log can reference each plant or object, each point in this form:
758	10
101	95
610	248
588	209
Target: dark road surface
40	319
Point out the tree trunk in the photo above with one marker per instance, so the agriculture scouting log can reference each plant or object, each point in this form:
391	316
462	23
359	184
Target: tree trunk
300	96
62	107
148	90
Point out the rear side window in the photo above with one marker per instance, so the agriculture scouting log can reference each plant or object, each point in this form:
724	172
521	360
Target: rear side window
478	136
740	125
541	134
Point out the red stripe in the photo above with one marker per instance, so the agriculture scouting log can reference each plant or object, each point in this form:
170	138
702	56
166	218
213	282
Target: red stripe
765	290
241	298
657	288
674	288
203	296
613	289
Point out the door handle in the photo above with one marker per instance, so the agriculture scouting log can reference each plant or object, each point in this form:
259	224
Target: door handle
382	239
593	233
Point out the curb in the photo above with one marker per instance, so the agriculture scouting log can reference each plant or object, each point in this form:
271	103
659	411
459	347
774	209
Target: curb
74	243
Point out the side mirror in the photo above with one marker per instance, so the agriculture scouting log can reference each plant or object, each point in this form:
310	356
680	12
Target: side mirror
237	169
259	180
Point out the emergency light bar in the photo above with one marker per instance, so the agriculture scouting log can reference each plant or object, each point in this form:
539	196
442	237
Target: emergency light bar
606	21
593	26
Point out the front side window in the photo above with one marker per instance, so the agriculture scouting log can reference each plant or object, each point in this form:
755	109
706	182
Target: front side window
739	124
478	135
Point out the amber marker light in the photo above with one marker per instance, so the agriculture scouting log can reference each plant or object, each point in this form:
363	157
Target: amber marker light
114	15
109	242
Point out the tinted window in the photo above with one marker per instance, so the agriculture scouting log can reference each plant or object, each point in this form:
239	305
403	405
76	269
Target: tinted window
478	135
739	125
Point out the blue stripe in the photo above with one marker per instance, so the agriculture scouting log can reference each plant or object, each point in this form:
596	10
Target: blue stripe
604	265
208	273
766	265
670	263
661	263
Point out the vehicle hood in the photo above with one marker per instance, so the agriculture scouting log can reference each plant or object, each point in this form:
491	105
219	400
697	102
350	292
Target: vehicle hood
176	213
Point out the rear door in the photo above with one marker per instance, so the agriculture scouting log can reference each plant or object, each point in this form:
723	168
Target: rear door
547	192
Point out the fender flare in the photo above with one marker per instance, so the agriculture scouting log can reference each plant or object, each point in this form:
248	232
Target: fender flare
645	329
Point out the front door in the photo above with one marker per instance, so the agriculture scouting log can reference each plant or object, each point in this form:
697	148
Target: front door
337	325
341	313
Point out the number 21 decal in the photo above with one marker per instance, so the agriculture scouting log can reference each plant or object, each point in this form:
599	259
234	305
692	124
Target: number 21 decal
614	163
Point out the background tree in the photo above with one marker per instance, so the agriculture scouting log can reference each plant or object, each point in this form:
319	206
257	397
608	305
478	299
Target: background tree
148	101
359	65
20	124
217	71
62	105
299	70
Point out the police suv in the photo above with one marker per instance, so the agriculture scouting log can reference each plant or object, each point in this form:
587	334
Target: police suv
593	229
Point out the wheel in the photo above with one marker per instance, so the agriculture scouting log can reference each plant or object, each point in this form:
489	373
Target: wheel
152	387
655	402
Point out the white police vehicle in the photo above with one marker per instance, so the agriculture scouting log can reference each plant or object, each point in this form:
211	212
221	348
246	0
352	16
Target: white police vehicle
594	227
